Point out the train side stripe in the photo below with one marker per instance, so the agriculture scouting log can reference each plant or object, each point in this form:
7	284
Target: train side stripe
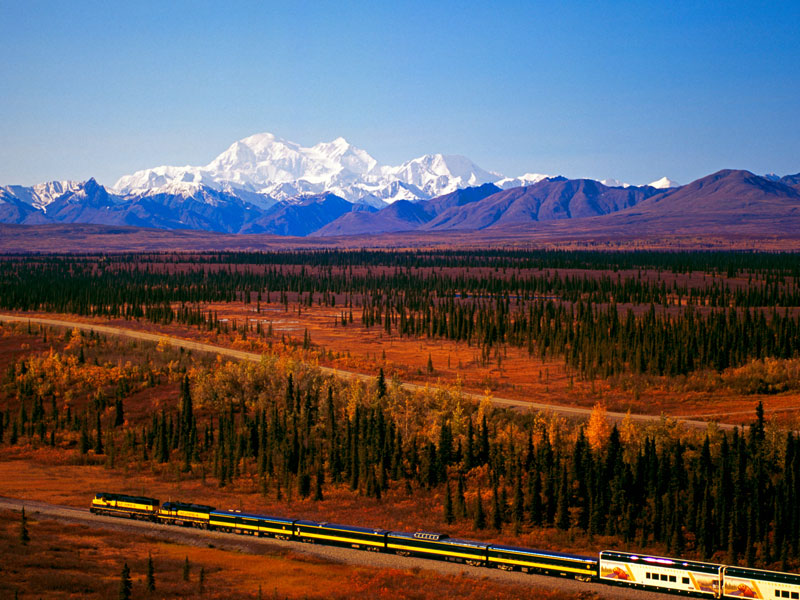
273	530
339	539
258	528
432	551
540	565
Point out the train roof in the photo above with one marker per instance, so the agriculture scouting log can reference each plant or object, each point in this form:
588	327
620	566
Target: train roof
521	550
776	576
664	561
137	499
442	540
187	506
245	515
340	527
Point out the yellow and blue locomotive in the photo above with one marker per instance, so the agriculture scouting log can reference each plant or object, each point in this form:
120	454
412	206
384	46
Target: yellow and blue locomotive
648	573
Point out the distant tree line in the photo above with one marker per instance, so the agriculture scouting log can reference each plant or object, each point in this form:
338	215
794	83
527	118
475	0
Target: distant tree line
730	263
593	322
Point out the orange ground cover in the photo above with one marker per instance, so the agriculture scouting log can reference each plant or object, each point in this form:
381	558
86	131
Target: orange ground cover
75	561
516	375
46	476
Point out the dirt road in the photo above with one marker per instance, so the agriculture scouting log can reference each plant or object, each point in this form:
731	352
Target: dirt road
567	411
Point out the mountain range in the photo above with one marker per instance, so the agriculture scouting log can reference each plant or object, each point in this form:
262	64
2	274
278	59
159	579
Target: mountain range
279	170
266	185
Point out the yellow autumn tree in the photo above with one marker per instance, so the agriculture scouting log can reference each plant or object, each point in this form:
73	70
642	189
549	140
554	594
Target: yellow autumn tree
598	429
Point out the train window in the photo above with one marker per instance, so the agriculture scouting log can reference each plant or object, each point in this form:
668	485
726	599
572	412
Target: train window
672	579
784	594
685	580
664	578
647	575
795	595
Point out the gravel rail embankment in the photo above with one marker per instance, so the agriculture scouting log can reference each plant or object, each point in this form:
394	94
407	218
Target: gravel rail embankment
253	545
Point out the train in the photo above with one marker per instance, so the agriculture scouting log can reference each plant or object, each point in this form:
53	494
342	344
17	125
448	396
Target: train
611	567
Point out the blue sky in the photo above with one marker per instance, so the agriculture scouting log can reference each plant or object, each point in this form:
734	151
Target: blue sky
631	90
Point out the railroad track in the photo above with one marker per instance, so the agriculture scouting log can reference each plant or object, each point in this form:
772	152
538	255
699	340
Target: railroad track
253	545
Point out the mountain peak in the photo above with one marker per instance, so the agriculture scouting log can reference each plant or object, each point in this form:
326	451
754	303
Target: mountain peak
521	181
259	139
614	183
280	169
664	183
41	195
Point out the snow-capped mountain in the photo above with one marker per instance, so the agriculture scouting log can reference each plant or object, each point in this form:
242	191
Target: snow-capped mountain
614	183
664	183
184	203
280	169
41	195
521	181
438	174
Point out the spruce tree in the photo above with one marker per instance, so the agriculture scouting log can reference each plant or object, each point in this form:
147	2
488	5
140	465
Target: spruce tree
497	512
678	541
757	429
304	483
98	442
381	384
479	521
151	577
785	556
461	503
469	450
519	504
319	480
562	506
84	439
187	409
534	499
119	413
448	504
484	442
162	448
125	583
186	569
24	536
750	550
445	445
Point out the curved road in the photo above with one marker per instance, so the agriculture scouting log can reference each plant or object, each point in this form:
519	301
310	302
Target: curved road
254	545
567	411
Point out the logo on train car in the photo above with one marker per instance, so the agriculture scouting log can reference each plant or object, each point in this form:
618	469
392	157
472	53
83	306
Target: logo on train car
616	571
741	588
704	584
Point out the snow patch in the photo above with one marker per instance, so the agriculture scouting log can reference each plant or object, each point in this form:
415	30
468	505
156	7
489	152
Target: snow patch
664	183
